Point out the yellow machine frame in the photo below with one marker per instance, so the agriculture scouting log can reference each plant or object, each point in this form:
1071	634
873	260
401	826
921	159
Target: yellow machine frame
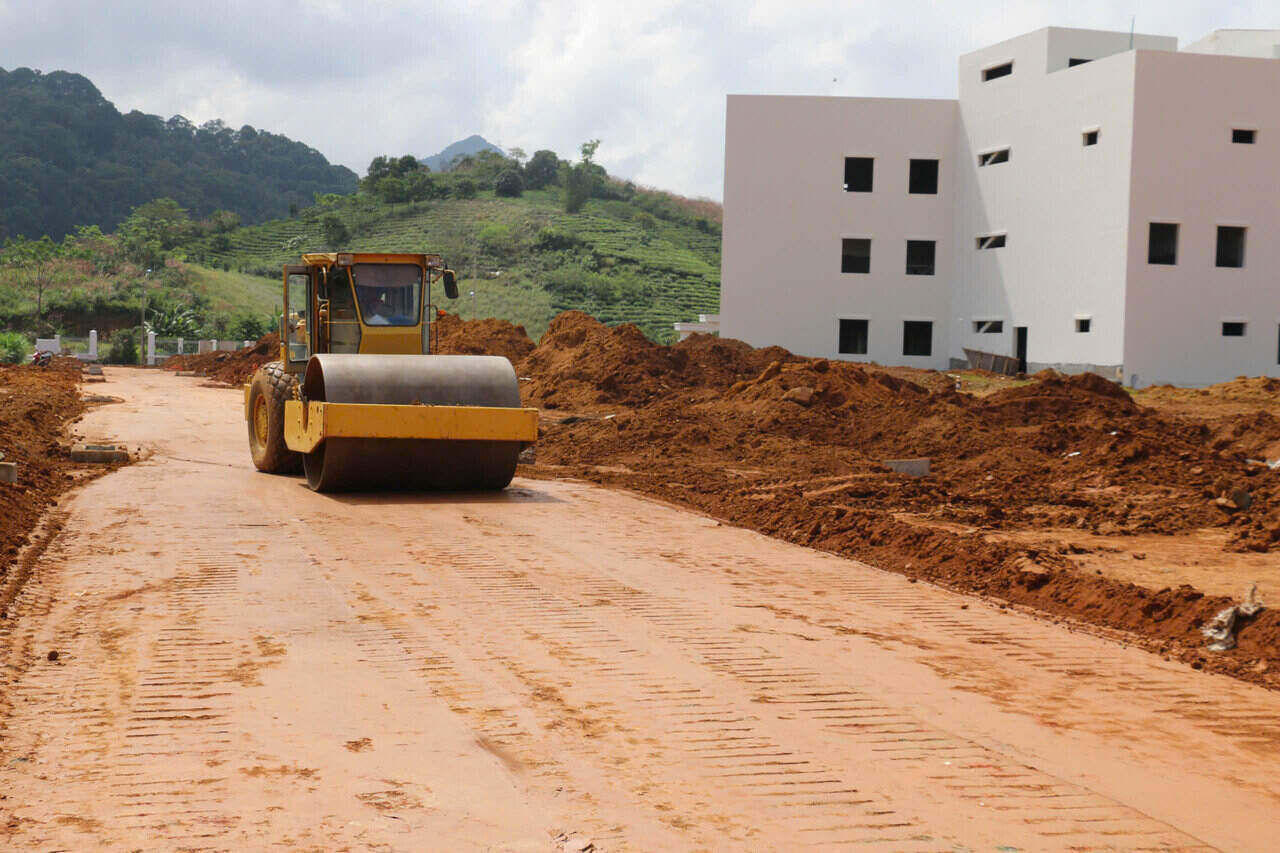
307	426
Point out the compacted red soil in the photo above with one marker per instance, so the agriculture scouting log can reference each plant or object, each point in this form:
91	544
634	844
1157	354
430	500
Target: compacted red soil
795	447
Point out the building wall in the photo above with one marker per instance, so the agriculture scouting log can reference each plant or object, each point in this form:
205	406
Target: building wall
1062	204
1187	170
1263	44
786	213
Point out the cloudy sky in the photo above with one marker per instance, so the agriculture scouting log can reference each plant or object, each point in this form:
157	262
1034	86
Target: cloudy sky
356	79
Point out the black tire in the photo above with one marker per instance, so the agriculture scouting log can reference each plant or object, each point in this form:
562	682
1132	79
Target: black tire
269	389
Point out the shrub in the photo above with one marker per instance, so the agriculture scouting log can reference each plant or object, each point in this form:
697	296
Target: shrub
496	240
464	188
508	184
14	347
124	349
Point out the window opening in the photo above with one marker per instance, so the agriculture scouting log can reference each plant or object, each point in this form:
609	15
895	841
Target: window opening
924	177
1073	62
295	321
917	337
1084	324
996	72
988	327
1233	329
343	325
853	337
1240	136
858	173
855	255
991	241
1091	137
1230	246
1162	243
388	293
990	158
920	256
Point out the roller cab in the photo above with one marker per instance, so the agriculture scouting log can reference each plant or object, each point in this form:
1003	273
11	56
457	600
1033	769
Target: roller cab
359	402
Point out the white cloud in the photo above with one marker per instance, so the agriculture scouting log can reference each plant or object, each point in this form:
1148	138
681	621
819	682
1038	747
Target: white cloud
357	79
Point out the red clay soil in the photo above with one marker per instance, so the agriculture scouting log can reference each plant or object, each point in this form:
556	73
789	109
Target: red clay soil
36	405
481	337
793	447
230	368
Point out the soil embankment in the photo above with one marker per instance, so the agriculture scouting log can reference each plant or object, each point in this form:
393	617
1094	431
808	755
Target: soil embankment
1020	476
36	406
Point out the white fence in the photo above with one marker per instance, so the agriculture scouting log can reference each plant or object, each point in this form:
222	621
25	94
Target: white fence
158	349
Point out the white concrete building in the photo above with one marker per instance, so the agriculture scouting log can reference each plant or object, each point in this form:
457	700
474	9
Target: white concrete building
1092	200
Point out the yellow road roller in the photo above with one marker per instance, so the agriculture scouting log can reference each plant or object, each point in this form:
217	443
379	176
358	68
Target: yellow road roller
358	401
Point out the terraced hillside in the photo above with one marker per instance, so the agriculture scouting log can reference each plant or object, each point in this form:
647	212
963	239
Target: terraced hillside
519	259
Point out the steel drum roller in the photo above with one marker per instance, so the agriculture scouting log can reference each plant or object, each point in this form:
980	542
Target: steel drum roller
346	464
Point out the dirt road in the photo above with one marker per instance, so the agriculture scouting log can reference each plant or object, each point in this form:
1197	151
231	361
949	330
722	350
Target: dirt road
242	664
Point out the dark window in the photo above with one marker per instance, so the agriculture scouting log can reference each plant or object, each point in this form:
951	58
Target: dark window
990	158
1162	243
1230	246
988	327
1073	62
857	174
1091	137
997	72
920	255
855	255
917	337
853	337
1233	330
924	177
1083	324
991	241
1244	137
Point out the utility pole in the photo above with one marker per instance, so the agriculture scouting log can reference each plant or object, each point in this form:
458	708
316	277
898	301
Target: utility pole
142	329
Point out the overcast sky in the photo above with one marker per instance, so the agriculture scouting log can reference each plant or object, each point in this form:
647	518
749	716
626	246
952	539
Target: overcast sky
357	79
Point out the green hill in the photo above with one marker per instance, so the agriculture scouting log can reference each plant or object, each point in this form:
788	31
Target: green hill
524	258
69	158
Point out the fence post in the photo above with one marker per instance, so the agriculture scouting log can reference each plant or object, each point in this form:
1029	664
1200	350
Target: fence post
180	346
151	348
93	344
247	344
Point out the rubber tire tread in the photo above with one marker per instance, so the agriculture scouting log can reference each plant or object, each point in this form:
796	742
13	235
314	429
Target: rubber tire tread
278	385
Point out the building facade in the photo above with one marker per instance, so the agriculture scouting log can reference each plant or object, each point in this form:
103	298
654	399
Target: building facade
1091	201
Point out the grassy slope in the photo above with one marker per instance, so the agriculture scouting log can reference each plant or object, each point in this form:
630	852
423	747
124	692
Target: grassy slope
235	291
680	264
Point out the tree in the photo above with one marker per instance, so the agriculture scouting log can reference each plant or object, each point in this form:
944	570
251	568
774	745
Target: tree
541	169
518	155
153	229
508	184
464	188
581	178
35	261
335	231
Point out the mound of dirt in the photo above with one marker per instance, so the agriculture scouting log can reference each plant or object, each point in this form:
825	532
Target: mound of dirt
232	368
36	406
794	447
455	336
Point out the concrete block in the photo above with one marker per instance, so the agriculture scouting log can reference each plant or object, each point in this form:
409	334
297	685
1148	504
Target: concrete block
93	370
8	472
910	467
99	453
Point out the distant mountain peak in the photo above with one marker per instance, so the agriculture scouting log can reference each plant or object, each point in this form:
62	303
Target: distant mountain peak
473	144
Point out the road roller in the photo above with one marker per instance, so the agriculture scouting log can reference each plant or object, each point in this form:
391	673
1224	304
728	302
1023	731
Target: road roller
359	401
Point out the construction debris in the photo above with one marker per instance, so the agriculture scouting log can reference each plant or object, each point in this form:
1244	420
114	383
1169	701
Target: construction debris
1222	630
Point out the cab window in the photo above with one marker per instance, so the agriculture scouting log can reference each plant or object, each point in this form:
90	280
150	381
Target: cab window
388	294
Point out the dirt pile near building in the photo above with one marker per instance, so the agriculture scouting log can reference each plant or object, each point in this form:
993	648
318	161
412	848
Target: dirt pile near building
794	447
455	336
232	368
36	406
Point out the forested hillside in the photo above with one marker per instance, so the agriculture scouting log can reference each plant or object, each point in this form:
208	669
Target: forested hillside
528	239
69	158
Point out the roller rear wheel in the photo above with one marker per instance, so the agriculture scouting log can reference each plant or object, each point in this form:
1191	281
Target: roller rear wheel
268	390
